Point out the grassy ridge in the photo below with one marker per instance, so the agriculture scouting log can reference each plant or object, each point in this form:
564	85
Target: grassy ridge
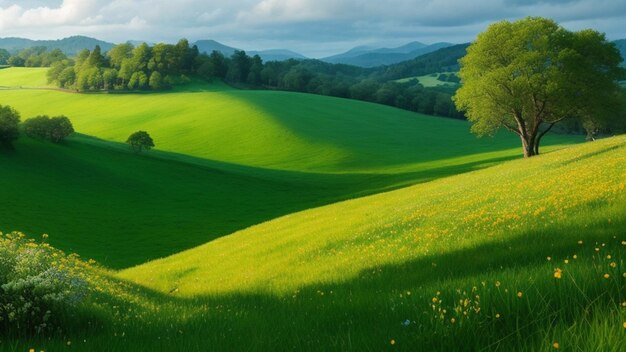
268	129
465	263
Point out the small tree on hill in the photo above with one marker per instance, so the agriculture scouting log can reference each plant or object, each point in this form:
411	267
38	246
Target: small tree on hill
139	141
59	128
528	75
9	126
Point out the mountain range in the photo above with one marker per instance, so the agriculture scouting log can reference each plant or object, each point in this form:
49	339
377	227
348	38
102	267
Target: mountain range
362	56
365	56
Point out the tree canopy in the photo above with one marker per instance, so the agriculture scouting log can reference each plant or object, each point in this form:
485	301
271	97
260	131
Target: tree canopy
9	126
528	75
139	141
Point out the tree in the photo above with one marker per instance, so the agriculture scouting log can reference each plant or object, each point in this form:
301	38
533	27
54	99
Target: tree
139	141
59	128
54	129
526	76
9	122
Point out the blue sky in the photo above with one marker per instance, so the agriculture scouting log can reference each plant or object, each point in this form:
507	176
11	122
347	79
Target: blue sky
313	27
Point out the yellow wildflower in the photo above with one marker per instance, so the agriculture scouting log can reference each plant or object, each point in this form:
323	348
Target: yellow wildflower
557	273
556	345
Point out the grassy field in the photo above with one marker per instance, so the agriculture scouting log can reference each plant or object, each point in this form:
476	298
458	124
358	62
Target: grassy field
95	198
430	80
277	221
466	262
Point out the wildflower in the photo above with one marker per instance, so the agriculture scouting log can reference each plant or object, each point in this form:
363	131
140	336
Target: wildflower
623	243
452	320
69	343
556	345
393	342
557	273
549	258
575	256
608	256
497	315
31	350
606	276
625	325
580	242
497	283
406	322
566	261
624	304
519	294
613	265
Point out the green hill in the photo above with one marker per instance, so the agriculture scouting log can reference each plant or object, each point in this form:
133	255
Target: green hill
521	256
268	129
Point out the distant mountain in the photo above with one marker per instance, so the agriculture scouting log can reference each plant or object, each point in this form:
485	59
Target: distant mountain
208	46
621	45
364	56
277	55
70	46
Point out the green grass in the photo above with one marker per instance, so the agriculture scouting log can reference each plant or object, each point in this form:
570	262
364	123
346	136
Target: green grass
269	129
95	198
15	77
358	274
429	80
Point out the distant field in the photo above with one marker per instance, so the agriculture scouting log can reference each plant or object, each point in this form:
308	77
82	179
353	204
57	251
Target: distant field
268	129
429	80
23	77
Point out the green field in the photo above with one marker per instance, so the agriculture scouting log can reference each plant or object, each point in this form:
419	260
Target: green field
430	80
377	273
250	156
273	221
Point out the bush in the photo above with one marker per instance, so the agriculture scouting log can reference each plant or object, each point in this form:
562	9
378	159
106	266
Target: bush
54	129
40	286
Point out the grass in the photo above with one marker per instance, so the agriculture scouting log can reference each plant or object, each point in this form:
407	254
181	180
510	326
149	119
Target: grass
458	259
251	156
429	80
466	262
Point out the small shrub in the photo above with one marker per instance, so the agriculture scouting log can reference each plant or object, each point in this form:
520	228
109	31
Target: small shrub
40	286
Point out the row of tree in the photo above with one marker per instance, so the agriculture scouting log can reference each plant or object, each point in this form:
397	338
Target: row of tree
311	76
54	129
38	56
126	67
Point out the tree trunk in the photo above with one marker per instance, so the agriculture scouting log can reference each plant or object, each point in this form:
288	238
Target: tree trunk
529	146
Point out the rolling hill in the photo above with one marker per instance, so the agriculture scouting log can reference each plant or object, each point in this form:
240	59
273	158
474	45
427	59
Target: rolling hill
365	56
208	46
70	45
469	260
229	159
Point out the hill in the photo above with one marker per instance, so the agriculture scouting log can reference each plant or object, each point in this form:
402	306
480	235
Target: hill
70	45
364	56
251	156
442	60
526	255
208	46
268	129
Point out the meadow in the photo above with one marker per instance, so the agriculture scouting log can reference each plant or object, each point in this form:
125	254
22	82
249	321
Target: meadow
283	221
226	160
530	258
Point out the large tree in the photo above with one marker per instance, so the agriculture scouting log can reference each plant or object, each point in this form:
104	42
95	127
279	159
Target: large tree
526	76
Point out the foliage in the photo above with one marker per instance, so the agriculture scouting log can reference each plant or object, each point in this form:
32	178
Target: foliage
9	122
55	129
40	286
126	67
528	75
37	56
139	141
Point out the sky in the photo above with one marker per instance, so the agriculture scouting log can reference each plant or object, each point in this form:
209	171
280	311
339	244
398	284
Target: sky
315	28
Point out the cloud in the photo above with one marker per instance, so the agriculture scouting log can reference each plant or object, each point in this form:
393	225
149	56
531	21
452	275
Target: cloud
311	26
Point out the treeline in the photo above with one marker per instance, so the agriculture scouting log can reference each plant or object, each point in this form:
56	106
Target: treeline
54	129
126	67
38	56
344	81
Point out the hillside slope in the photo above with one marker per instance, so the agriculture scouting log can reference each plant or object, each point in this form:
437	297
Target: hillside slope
269	129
